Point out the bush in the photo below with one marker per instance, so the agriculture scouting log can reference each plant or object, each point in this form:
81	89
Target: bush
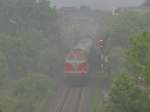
22	104
35	85
126	97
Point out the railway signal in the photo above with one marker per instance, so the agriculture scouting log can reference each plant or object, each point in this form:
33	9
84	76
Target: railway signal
101	43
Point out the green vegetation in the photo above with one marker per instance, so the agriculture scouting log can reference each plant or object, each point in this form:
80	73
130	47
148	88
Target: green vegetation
127	93
30	93
139	56
23	104
128	51
146	3
125	96
31	54
37	85
98	105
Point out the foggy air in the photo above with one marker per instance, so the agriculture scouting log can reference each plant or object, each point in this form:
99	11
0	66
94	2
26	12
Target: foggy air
74	55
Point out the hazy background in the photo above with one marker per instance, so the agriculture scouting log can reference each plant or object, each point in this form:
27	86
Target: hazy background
98	4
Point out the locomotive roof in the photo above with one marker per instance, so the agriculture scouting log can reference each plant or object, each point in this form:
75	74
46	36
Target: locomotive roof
84	44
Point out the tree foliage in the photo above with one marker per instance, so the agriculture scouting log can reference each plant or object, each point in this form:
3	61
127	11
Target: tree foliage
127	25
29	43
146	3
36	85
126	97
139	55
22	104
29	35
117	60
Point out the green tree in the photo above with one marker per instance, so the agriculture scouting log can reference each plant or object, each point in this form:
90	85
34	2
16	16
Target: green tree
29	33
29	42
23	104
126	97
117	61
16	104
36	85
146	3
139	55
127	25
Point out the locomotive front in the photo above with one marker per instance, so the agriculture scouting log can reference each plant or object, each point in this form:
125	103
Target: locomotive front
76	67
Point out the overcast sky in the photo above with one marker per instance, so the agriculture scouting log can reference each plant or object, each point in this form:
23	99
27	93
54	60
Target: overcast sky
98	4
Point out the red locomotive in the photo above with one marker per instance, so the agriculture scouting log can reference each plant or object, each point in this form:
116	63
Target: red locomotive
76	67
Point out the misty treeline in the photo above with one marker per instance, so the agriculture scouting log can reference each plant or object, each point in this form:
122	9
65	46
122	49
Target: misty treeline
30	54
29	36
128	51
146	3
81	22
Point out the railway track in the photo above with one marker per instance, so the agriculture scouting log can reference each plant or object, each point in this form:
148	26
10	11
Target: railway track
71	100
